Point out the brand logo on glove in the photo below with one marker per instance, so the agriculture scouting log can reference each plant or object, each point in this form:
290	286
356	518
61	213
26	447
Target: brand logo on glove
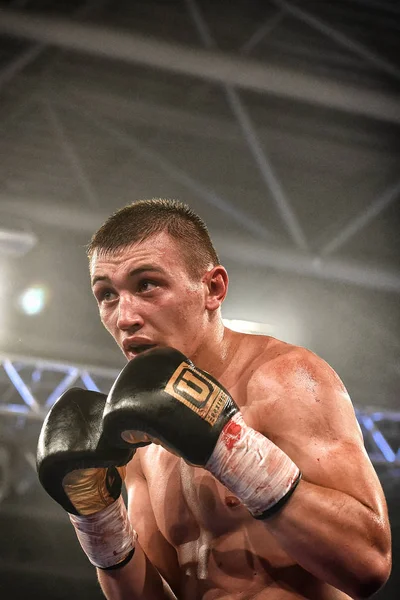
197	392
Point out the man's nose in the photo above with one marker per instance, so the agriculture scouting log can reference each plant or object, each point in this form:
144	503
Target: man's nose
129	316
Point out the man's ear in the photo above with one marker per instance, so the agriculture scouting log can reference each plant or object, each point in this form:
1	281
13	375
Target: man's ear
216	281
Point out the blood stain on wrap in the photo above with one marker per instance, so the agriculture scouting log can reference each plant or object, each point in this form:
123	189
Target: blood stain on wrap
231	434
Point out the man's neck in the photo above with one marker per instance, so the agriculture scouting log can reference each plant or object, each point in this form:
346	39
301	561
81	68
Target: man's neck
217	352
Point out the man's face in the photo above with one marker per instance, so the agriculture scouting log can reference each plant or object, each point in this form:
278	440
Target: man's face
147	298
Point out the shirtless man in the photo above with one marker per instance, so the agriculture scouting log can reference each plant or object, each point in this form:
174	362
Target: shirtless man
299	513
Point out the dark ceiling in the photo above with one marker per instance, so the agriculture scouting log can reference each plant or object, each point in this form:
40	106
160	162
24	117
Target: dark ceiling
278	122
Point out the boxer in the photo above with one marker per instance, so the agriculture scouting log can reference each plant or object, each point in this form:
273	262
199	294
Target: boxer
246	472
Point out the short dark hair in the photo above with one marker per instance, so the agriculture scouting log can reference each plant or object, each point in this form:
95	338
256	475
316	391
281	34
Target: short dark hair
143	218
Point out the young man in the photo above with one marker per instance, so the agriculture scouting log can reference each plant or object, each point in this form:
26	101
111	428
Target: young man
293	509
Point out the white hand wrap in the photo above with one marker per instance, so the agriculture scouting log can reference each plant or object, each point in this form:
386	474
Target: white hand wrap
252	467
107	536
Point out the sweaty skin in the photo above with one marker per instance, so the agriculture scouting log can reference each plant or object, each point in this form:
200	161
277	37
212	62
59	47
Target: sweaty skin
196	533
222	551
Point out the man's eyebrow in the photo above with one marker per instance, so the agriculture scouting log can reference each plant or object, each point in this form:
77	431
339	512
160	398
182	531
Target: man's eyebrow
133	273
99	278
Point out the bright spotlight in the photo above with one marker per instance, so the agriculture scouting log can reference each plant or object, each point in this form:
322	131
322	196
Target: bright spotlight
286	327
243	326
33	300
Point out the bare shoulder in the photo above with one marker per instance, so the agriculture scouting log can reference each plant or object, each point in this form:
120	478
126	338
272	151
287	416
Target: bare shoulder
301	404
300	367
298	400
294	378
284	361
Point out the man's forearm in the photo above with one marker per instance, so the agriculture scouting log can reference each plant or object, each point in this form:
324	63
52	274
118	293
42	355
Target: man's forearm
334	537
137	579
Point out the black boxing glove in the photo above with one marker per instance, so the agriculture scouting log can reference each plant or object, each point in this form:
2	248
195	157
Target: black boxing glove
162	395
80	470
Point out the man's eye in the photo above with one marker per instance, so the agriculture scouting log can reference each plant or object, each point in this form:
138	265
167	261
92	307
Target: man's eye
146	285
106	296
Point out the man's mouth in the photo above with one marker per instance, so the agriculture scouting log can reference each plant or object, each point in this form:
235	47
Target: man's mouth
136	349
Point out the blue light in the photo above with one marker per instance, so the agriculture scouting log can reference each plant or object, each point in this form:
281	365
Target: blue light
378	438
384	446
66	382
88	381
21	386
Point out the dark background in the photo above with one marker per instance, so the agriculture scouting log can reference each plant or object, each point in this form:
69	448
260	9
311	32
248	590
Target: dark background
278	122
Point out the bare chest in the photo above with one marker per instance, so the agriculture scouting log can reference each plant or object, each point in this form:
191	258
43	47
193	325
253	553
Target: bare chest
193	509
188	499
223	552
203	520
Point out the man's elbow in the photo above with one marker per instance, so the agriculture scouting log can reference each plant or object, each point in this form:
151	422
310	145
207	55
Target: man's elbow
376	574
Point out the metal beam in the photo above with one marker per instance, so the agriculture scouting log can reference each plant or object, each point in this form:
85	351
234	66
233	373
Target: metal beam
178	119
70	153
263	163
346	271
29	55
371	421
176	173
156	115
247	253
19	63
210	65
261	32
65	377
360	221
46	212
266	170
341	39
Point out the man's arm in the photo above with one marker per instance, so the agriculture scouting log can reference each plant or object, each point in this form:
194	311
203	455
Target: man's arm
84	474
303	420
335	525
153	572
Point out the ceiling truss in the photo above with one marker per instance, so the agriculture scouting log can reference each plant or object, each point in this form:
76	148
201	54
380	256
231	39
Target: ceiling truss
233	73
29	388
212	65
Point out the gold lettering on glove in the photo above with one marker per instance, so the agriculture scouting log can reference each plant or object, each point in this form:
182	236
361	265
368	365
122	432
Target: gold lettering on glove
197	392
